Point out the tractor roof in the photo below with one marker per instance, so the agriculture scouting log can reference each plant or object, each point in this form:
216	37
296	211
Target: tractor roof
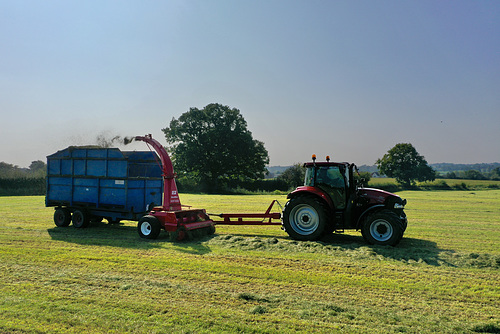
326	164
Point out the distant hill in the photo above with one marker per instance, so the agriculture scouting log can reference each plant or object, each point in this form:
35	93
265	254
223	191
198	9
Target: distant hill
369	169
275	171
442	167
481	167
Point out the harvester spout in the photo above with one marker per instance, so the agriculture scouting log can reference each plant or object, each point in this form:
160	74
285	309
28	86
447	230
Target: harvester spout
171	199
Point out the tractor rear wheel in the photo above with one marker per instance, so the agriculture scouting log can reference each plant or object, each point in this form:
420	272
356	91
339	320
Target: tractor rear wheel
382	228
304	218
62	217
149	227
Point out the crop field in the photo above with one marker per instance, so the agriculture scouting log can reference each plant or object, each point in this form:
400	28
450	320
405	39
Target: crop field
444	276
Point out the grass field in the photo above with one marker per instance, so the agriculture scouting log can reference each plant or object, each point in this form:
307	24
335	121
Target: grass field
442	278
440	183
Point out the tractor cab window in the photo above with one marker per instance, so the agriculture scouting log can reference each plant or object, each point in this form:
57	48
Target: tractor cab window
332	181
309	180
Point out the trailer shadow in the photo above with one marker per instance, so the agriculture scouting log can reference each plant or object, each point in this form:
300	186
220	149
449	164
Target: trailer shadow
125	236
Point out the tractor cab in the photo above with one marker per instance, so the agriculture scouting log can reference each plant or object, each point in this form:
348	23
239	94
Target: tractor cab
333	178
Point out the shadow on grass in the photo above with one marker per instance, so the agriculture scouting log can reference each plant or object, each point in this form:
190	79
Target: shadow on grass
126	236
409	250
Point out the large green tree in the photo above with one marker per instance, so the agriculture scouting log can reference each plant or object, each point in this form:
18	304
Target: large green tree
293	176
213	145
405	164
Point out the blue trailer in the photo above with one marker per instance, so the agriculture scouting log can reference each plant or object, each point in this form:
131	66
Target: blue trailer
90	183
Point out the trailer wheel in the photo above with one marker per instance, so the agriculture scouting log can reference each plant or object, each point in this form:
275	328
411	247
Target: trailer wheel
149	227
304	218
62	217
80	219
382	228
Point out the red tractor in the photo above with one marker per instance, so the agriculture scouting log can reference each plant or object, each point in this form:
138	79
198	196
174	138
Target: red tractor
331	200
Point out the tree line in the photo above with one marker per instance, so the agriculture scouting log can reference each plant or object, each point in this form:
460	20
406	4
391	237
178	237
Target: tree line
37	169
451	167
472	174
17	181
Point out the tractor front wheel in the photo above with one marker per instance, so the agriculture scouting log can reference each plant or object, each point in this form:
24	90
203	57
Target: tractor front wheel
304	218
149	227
382	228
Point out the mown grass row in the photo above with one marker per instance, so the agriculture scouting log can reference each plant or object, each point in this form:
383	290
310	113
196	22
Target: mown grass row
442	278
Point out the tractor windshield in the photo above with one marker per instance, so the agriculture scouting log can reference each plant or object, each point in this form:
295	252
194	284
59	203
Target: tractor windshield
331	180
309	180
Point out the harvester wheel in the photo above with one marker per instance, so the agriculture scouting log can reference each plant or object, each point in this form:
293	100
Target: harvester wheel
382	228
62	217
80	219
304	218
149	227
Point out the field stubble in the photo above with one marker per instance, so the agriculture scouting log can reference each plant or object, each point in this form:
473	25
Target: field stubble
443	277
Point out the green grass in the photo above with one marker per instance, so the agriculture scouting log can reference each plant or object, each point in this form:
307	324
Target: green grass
442	278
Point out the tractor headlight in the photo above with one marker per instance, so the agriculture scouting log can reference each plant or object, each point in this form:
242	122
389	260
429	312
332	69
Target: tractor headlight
400	205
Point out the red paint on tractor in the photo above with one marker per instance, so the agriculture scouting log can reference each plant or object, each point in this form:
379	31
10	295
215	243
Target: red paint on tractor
376	196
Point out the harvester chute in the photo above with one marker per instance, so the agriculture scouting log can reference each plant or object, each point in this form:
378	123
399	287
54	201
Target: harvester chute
171	216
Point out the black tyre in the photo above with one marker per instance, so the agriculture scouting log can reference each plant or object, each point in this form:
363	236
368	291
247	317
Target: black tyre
62	217
404	223
304	218
382	228
80	219
329	229
149	227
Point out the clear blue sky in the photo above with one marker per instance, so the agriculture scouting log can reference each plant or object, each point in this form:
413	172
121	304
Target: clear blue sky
346	78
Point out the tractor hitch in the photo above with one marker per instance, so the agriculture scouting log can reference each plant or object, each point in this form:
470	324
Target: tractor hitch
250	218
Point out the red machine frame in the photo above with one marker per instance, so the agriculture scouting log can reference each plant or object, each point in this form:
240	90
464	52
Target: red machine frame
240	216
173	218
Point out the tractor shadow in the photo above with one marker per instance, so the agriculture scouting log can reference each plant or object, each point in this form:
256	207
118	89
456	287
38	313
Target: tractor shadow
124	235
409	250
